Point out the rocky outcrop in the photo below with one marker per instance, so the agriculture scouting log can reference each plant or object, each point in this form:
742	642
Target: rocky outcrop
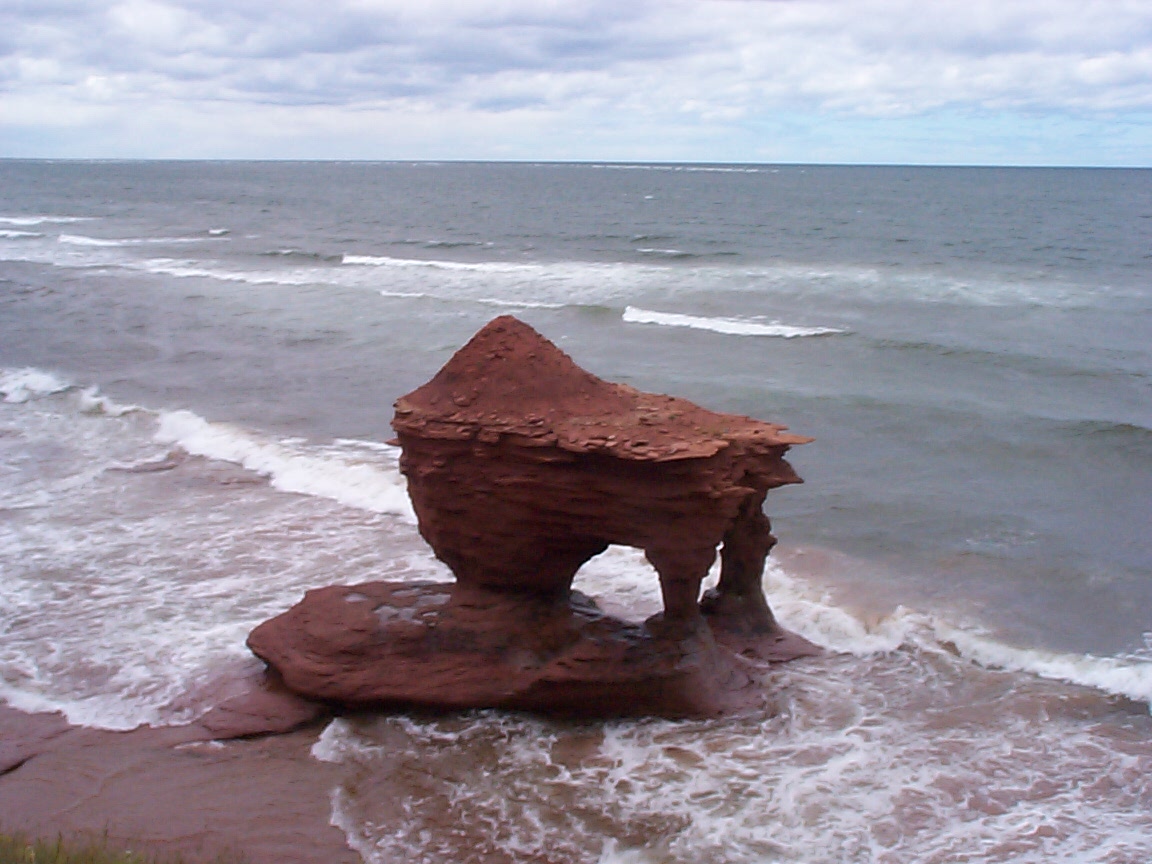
521	466
447	646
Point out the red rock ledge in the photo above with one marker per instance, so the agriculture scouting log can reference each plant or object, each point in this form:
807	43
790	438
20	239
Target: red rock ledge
521	466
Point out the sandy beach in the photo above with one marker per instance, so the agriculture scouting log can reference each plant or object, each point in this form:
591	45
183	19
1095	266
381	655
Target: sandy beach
170	790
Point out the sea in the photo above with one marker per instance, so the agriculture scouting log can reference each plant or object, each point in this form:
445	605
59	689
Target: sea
198	362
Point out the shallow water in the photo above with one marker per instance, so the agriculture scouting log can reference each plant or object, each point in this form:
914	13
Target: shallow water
910	756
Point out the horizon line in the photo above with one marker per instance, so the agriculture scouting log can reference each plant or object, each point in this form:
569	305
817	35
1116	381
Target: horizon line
586	162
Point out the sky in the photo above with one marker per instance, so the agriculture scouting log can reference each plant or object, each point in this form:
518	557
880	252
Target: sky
999	82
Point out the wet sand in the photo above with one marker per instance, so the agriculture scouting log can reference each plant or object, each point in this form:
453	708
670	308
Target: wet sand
170	790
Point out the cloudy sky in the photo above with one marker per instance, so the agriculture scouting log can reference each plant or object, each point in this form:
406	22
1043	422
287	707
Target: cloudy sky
1033	82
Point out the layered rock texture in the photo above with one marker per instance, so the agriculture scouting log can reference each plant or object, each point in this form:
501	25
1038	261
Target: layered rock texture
521	467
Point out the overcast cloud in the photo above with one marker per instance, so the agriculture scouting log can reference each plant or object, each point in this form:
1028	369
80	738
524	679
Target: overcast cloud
1014	81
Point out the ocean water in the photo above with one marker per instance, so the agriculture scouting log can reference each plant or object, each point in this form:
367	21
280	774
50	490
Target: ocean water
197	368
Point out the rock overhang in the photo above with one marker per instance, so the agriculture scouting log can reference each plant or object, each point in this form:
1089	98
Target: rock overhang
509	382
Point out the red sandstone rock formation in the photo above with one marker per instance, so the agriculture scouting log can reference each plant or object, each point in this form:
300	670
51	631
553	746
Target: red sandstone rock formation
522	466
447	646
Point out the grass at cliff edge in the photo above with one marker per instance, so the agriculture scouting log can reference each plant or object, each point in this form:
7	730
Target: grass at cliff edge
19	849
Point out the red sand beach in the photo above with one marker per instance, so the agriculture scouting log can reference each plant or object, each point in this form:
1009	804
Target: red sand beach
170	790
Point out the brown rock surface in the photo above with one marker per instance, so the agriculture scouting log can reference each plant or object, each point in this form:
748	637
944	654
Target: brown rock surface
256	705
521	466
167	792
447	646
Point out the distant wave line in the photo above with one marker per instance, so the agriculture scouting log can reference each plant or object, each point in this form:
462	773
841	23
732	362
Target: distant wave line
688	169
484	301
40	220
727	326
82	240
488	266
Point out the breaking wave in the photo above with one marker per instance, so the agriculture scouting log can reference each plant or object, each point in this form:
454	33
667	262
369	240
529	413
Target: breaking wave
727	326
808	611
355	483
479	267
627	581
41	220
20	385
82	240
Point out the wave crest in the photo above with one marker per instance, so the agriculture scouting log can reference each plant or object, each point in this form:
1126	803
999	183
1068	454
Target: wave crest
20	385
354	484
805	609
727	326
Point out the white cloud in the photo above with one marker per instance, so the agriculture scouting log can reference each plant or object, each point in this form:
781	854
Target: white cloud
700	68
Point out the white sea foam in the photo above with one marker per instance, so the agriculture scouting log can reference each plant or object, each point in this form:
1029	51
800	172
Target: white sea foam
120	603
20	385
184	269
16	235
377	487
665	253
189	269
40	220
1127	677
627	582
483	301
727	326
360	444
852	768
811	612
408	295
91	401
516	304
82	240
461	266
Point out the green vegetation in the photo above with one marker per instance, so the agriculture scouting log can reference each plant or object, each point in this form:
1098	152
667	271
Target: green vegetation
19	849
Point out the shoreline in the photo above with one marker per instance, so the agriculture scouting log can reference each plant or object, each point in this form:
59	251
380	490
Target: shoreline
171	790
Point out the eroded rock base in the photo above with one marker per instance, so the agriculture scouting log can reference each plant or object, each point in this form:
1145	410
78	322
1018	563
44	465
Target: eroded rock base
447	646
